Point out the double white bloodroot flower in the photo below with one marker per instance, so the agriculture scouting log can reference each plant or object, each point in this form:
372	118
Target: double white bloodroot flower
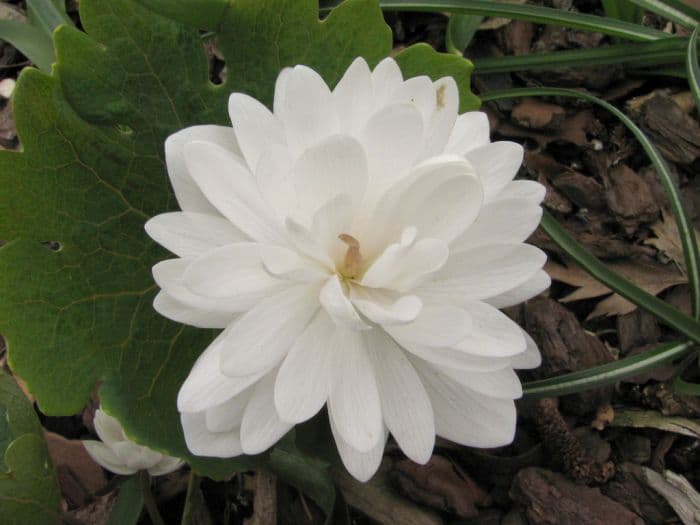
118	454
354	245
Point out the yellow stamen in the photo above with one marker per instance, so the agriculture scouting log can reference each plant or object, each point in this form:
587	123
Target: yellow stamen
440	94
353	257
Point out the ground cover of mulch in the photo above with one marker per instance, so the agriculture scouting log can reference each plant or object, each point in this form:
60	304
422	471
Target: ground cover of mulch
598	457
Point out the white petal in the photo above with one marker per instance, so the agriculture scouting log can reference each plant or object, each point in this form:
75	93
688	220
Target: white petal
442	120
165	466
456	359
308	244
108	428
436	325
467	417
235	271
202	442
167	306
281	90
205	386
273	175
136	456
361	465
229	185
303	381
441	198
354	404
471	131
386	78
329	221
503	383
537	284
352	96
289	265
306	109
484	272
529	190
188	234
169	275
496	165
530	358
385	307
188	194
228	415
336	165
255	127
263	335
261	427
402	265
493	333
406	407
508	220
418	91
105	457
334	300
393	137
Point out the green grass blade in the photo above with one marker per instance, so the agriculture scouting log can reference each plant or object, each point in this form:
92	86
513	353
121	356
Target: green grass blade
667	11
685	388
684	7
623	10
32	42
47	15
661	309
460	31
692	67
685	228
541	15
608	373
667	51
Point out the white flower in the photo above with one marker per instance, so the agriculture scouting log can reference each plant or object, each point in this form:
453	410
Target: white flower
354	245
120	455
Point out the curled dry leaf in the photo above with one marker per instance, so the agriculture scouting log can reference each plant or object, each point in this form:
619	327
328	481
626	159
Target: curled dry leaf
679	493
645	273
668	240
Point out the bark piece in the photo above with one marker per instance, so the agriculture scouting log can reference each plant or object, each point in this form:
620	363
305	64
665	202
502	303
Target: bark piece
629	198
550	498
440	484
629	489
674	132
566	347
535	114
377	500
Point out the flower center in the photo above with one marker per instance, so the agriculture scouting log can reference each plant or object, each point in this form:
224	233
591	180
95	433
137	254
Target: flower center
352	264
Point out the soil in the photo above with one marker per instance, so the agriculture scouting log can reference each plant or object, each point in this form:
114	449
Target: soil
572	461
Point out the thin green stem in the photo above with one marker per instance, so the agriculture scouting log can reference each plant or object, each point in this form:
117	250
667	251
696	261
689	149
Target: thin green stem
542	15
148	500
608	373
685	228
692	67
667	11
192	488
669	51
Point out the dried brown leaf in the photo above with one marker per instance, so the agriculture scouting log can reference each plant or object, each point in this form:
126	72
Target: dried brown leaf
668	240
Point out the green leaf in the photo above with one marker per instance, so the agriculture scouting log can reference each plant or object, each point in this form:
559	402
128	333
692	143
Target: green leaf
204	14
607	374
667	9
460	31
129	505
91	173
28	489
31	42
623	10
422	59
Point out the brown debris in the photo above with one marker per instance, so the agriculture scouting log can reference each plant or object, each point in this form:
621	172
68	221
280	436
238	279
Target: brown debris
265	502
566	347
78	474
673	132
550	498
629	489
440	484
535	114
629	198
636	329
566	448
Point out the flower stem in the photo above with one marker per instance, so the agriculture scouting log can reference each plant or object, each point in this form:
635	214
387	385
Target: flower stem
192	487
148	499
